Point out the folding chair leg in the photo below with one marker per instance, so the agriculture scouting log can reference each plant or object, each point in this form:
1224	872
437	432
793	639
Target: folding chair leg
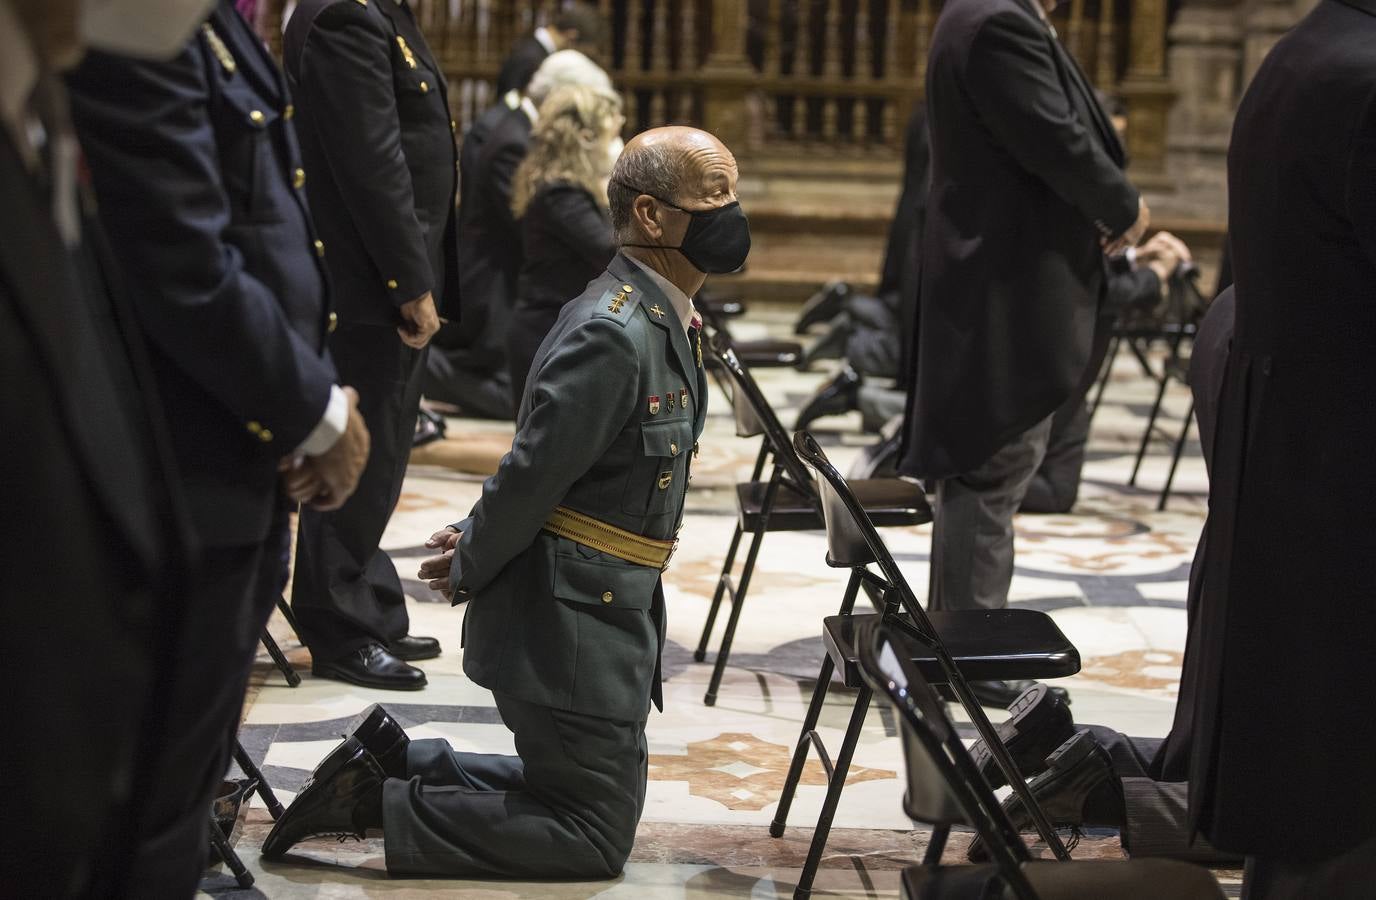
795	768
260	786
936	846
280	660
701	653
1104	375
1175	459
834	785
737	601
1151	424
285	609
231	859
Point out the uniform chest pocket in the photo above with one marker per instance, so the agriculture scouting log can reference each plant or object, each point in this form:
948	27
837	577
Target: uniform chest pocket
244	129
659	471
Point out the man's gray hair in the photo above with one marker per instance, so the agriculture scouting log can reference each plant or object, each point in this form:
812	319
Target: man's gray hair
566	67
654	169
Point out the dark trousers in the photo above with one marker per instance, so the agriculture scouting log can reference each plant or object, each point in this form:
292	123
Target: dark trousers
233	594
482	393
346	593
566	806
1056	485
972	535
1348	875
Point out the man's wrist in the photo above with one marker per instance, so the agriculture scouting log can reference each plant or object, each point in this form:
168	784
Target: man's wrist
331	426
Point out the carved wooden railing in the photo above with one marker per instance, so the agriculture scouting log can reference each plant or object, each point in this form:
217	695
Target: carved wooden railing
791	78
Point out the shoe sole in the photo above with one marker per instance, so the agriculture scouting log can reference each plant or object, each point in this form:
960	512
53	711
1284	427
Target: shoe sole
336	675
416	657
1017	732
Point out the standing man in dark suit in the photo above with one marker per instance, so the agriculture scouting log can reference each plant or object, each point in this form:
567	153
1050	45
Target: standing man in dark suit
560	563
373	119
199	186
577	26
1288	621
94	544
1027	194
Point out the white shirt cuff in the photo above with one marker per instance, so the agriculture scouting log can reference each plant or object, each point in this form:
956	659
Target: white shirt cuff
1130	255
331	426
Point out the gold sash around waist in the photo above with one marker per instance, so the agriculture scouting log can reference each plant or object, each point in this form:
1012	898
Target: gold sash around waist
618	542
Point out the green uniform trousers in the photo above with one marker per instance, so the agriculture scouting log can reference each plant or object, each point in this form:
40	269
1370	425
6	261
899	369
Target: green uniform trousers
566	806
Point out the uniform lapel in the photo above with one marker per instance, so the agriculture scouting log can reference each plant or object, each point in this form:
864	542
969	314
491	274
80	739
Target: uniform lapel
248	52
404	23
668	323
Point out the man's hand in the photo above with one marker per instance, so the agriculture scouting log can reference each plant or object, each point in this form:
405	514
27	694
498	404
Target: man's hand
419	321
340	467
435	570
1134	234
300	482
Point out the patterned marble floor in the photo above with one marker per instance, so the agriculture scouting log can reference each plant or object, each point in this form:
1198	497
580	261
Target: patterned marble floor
1112	574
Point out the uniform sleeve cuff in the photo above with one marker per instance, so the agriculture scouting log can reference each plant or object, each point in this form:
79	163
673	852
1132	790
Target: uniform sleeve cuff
330	427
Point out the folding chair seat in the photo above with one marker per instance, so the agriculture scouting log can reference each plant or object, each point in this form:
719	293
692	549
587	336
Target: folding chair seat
788	501
991	644
945	789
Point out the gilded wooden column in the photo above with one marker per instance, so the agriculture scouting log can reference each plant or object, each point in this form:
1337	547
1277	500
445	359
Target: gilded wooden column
726	75
1146	89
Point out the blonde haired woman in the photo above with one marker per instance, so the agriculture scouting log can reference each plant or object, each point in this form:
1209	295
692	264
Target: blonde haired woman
560	195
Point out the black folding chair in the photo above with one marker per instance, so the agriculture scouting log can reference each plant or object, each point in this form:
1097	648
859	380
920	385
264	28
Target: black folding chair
279	659
765	353
219	840
946	789
788	501
957	646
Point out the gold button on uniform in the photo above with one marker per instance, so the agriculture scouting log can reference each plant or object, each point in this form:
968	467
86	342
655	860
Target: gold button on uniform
607	597
319	247
334	323
289	111
392	283
673	449
254	427
298	179
453	126
265	435
256	117
425	87
628	289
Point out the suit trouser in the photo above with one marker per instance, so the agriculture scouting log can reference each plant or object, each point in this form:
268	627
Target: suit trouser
972	536
345	592
234	593
566	806
1349	875
481	393
1157	816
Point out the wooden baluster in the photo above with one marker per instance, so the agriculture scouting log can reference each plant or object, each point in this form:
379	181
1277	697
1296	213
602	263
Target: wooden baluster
688	59
831	67
634	51
659	37
1075	31
802	68
1104	68
924	39
633	111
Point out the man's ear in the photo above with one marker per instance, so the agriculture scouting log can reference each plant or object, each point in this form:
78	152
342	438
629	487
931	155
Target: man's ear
646	213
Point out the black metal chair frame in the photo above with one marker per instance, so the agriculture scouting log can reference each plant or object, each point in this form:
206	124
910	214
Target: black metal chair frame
279	659
945	787
899	609
788	472
219	841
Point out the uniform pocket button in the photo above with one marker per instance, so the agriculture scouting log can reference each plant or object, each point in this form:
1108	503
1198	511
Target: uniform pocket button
607	597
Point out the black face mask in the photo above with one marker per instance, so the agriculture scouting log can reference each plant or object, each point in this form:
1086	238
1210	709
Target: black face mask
717	240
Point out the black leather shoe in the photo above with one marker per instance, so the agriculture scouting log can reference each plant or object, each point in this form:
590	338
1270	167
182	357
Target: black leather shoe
371	666
838	396
412	648
1039	721
384	738
1004	694
1076	769
831	345
343	798
823	306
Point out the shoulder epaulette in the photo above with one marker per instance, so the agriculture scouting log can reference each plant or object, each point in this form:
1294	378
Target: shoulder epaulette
618	303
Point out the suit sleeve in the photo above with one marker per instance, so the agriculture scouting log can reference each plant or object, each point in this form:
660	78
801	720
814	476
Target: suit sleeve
1361	180
146	132
1014	86
582	396
582	227
346	80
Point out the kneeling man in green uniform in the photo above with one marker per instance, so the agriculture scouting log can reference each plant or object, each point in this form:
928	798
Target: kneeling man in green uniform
560	561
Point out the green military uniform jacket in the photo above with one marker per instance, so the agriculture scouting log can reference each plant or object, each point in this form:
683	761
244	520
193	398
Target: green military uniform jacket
610	418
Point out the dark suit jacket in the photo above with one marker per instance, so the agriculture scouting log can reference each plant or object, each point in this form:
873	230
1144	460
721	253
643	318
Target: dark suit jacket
1026	179
93	553
520	65
902	267
1288	619
551	621
194	166
377	137
489	236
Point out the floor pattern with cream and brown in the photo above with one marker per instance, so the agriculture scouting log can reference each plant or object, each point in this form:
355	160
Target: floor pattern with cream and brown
1112	574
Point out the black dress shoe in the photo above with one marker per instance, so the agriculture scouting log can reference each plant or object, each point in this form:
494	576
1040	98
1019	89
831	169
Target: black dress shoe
1078	773
1003	694
831	345
430	427
412	648
371	666
384	738
840	395
1038	723
343	798
823	306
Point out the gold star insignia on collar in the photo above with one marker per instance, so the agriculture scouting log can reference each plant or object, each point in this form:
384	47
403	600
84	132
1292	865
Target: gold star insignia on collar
657	311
